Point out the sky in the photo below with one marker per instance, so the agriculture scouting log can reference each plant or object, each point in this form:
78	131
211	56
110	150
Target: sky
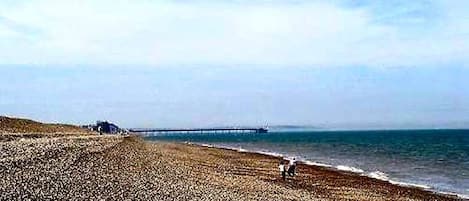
203	63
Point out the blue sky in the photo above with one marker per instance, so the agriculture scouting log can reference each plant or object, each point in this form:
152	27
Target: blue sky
203	63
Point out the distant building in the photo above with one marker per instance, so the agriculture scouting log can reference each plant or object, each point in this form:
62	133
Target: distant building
106	127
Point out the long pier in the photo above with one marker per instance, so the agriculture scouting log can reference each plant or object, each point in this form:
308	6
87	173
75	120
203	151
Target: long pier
202	130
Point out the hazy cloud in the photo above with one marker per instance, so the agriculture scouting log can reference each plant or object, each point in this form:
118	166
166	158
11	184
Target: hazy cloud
332	33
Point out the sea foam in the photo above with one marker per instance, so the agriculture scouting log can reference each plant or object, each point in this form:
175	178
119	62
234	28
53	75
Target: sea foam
379	175
349	169
409	184
316	164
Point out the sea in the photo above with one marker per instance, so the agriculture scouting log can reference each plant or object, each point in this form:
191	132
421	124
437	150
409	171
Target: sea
436	160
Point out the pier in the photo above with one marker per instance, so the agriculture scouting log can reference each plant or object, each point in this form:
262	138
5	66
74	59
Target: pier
202	130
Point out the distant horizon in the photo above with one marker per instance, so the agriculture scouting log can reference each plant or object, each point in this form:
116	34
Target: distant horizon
462	126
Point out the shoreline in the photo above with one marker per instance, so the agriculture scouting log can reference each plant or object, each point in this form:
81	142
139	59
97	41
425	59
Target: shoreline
339	168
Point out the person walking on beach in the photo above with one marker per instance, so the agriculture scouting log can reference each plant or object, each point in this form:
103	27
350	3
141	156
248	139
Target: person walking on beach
292	167
282	168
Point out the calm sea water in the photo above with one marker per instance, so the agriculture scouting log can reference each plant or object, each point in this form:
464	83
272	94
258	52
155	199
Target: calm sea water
437	159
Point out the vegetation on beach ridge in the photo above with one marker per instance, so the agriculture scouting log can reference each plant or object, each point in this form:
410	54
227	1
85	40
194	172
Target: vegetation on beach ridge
19	125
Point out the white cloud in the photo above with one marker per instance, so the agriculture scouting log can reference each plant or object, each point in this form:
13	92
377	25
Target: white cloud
171	33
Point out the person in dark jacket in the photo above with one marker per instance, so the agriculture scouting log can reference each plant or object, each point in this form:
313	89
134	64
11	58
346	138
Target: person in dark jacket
292	167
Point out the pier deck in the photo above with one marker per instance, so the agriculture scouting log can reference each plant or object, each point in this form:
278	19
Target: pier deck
202	130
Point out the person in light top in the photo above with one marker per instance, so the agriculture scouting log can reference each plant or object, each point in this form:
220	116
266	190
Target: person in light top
282	168
292	167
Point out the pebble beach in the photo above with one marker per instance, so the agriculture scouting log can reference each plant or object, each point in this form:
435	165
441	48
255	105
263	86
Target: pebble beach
93	167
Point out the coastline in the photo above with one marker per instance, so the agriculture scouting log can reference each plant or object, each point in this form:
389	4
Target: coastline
340	168
117	168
